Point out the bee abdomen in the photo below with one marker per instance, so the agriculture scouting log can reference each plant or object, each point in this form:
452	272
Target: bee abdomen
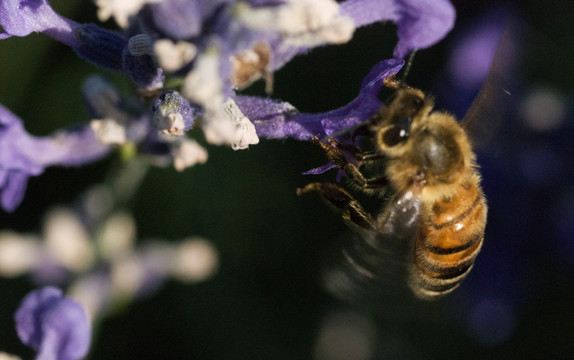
450	240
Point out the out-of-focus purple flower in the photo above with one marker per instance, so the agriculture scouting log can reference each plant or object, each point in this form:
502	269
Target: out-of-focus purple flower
187	24
277	120
23	155
53	325
105	48
474	49
95	44
23	17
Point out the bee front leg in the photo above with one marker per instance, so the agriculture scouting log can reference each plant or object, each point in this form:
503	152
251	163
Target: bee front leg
337	157
341	200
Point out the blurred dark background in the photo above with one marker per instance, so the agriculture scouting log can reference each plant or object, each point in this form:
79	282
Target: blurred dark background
266	302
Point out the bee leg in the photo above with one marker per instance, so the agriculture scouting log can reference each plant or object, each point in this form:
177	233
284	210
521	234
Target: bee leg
393	83
343	201
368	156
337	157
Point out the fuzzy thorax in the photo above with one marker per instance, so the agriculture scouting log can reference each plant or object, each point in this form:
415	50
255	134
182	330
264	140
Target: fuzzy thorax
439	149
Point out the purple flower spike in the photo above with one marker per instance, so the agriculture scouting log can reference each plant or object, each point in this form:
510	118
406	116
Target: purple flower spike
276	120
421	23
53	325
23	155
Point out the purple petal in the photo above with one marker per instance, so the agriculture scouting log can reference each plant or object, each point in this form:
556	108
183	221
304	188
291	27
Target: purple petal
13	188
270	117
420	23
97	45
72	146
23	155
282	53
424	24
55	326
176	19
365	12
320	169
276	120
373	82
23	17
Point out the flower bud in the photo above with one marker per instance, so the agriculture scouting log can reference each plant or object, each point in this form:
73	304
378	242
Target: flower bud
100	46
139	63
172	113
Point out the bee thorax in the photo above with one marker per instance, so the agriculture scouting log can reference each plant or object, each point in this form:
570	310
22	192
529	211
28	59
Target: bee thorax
438	156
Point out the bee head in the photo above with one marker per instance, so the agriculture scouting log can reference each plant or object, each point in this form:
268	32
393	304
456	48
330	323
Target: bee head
399	119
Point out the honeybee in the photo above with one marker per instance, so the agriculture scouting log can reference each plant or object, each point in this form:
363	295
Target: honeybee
437	215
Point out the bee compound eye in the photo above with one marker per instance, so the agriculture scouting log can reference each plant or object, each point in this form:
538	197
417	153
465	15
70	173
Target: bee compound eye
398	133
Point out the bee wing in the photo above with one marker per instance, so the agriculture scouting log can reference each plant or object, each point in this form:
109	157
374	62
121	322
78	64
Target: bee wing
487	111
374	263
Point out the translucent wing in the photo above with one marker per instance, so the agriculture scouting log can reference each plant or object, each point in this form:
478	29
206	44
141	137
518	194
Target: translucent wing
488	109
374	262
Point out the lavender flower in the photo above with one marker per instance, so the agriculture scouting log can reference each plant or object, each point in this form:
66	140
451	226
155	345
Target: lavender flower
218	46
105	266
119	120
23	155
55	326
277	120
212	48
102	47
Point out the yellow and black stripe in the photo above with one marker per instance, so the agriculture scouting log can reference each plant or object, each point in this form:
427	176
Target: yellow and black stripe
451	237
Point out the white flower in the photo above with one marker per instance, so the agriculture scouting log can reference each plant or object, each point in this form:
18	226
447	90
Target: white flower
187	153
6	356
127	276
245	134
67	241
203	84
301	22
228	125
195	260
168	122
117	236
109	131
173	56
121	10
18	253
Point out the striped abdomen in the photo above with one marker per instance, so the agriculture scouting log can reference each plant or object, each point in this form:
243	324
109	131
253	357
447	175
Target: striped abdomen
451	237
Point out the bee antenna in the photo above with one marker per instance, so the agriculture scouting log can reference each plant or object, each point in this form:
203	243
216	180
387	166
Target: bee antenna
408	65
